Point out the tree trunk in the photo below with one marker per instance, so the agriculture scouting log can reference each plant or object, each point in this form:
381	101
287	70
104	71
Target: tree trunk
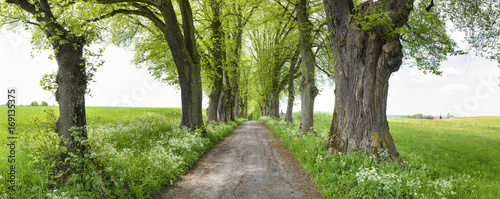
72	82
291	88
217	66
214	99
236	108
275	99
308	90
364	61
195	72
221	108
186	58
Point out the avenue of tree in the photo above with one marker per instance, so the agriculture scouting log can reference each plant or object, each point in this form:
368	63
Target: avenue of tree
247	55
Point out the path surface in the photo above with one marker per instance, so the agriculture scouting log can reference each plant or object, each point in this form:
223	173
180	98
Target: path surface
251	162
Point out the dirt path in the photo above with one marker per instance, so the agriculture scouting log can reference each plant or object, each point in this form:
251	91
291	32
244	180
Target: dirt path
251	162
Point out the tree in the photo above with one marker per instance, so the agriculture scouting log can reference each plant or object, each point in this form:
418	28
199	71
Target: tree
291	87
217	61
182	46
308	90
34	103
44	103
66	28
367	47
364	59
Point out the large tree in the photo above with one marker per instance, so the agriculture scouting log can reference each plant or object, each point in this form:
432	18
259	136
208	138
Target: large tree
369	42
67	32
366	52
182	44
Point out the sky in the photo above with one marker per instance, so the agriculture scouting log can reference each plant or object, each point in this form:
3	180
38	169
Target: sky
468	86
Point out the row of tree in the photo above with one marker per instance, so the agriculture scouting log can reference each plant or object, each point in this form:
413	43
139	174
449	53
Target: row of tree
251	51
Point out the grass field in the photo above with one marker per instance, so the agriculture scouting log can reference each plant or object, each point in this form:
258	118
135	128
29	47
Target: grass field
455	146
452	158
134	152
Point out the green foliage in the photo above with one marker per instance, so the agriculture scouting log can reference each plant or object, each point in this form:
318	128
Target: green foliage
368	20
133	153
44	103
438	163
425	40
34	103
419	116
48	83
44	143
478	20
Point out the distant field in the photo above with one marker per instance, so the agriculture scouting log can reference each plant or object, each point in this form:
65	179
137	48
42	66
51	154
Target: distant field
135	150
468	145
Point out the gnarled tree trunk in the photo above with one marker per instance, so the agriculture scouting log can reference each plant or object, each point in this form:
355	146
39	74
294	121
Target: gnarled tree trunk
364	61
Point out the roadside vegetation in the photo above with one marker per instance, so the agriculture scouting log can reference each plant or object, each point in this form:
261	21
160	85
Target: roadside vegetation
133	152
440	162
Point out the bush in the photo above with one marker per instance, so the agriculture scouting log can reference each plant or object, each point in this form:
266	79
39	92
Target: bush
34	103
44	103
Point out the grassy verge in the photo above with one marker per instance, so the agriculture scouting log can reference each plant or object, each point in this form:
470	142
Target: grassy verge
134	152
440	162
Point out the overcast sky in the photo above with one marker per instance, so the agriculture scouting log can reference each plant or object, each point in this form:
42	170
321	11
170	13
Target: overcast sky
468	86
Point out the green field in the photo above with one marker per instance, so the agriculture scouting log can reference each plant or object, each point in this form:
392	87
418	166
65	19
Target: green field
456	146
134	152
449	158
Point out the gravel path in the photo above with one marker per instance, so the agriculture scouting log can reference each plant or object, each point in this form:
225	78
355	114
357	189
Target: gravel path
251	162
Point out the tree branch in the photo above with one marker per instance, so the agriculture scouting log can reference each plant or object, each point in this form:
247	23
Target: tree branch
143	12
286	10
32	23
324	71
149	2
24	4
428	8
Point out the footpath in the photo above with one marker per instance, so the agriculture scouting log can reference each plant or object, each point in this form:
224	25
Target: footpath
251	162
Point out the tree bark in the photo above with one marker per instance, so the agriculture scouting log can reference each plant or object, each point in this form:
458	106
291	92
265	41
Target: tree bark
186	58
291	88
308	90
275	97
364	61
217	66
214	97
72	83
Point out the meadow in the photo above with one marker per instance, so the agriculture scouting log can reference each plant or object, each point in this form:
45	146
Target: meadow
134	152
449	158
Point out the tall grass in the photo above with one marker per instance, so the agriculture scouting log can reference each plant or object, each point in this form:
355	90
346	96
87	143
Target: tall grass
133	153
440	162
